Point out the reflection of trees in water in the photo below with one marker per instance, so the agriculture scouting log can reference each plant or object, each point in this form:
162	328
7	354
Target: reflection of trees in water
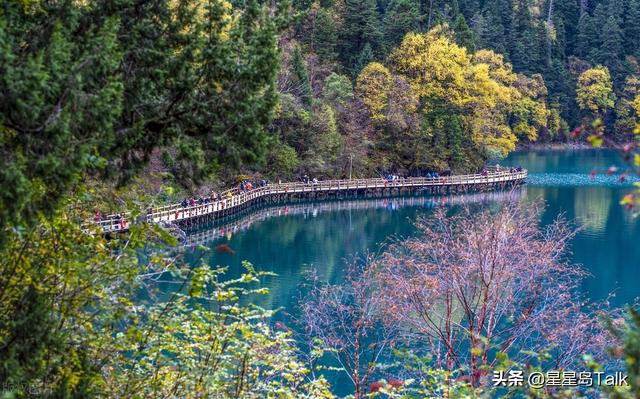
589	206
592	206
290	239
311	209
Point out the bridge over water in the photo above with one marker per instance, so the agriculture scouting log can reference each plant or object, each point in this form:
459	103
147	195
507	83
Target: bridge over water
234	201
205	233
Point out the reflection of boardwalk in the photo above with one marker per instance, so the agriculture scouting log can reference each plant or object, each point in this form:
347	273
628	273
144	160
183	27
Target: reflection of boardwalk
312	209
234	201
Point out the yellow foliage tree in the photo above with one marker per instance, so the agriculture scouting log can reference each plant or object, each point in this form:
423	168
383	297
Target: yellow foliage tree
595	90
372	87
434	65
496	105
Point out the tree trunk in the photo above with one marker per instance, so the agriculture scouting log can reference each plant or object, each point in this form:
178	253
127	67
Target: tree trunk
356	368
430	11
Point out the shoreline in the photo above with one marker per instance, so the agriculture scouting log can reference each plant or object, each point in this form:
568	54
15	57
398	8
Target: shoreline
554	146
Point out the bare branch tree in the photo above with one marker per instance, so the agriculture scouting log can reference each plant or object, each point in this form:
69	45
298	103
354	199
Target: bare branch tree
476	284
348	322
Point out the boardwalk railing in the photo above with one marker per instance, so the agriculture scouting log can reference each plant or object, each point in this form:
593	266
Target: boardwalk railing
236	199
311	210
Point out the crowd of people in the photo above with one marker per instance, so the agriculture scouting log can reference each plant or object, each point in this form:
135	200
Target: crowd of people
119	219
497	167
216	196
306	180
246	186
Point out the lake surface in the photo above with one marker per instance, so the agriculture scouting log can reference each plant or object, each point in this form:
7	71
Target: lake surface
293	239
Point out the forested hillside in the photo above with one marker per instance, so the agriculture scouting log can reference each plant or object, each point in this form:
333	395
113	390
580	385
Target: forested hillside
110	107
472	79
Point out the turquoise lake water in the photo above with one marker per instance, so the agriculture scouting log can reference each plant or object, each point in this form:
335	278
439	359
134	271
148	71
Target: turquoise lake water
292	239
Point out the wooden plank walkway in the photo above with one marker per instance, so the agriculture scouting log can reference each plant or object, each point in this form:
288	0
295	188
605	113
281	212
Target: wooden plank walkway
234	201
213	231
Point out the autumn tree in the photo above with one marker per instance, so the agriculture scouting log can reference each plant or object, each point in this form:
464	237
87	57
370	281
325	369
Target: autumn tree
480	88
401	144
372	87
530	113
471	287
347	322
594	91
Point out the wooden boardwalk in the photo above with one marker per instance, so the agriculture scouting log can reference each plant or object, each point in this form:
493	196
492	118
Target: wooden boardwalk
206	233
235	201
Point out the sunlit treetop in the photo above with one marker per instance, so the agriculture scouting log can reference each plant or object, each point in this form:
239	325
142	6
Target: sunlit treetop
595	90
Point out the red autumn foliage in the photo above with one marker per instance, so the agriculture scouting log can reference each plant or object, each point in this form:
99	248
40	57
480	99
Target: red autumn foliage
576	132
395	383
225	248
376	386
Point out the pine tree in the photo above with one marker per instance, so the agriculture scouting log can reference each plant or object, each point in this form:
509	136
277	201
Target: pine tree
524	40
493	30
610	51
560	48
585	37
302	4
402	16
493	34
464	34
455	136
364	58
616	9
65	85
361	26
469	8
600	17
567	14
325	36
302	86
632	28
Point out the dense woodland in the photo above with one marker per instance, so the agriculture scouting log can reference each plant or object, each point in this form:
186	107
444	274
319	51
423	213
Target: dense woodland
353	85
98	96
